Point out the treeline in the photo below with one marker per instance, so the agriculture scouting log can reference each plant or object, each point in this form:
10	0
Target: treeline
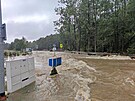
92	25
45	43
97	25
48	42
20	45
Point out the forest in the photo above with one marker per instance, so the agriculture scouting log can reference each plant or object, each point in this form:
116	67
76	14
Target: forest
91	26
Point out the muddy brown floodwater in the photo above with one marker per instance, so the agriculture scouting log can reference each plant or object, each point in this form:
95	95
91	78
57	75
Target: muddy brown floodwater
115	80
80	78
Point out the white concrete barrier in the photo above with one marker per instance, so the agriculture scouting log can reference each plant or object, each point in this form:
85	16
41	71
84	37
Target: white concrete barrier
20	73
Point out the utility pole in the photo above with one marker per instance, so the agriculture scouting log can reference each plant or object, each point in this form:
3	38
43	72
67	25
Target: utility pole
2	71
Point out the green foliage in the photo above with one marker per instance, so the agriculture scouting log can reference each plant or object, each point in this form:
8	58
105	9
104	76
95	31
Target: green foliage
100	25
47	42
18	44
90	25
18	54
10	54
131	51
6	54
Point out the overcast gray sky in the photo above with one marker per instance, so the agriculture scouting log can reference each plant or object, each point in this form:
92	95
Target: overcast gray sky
29	18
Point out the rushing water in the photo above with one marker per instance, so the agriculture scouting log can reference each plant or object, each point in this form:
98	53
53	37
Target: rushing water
69	85
81	79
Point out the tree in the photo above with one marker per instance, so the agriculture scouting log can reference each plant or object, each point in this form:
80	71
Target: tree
18	44
92	25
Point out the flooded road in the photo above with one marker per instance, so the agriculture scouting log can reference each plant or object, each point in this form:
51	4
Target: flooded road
69	85
115	80
80	78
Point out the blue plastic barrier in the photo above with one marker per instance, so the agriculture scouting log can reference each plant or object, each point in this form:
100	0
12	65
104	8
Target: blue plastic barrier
55	61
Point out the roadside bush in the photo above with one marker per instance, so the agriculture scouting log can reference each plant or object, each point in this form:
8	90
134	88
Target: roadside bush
14	53
6	54
131	51
18	54
10	54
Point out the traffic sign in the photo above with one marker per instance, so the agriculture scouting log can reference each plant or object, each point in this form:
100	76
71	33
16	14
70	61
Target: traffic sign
61	45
